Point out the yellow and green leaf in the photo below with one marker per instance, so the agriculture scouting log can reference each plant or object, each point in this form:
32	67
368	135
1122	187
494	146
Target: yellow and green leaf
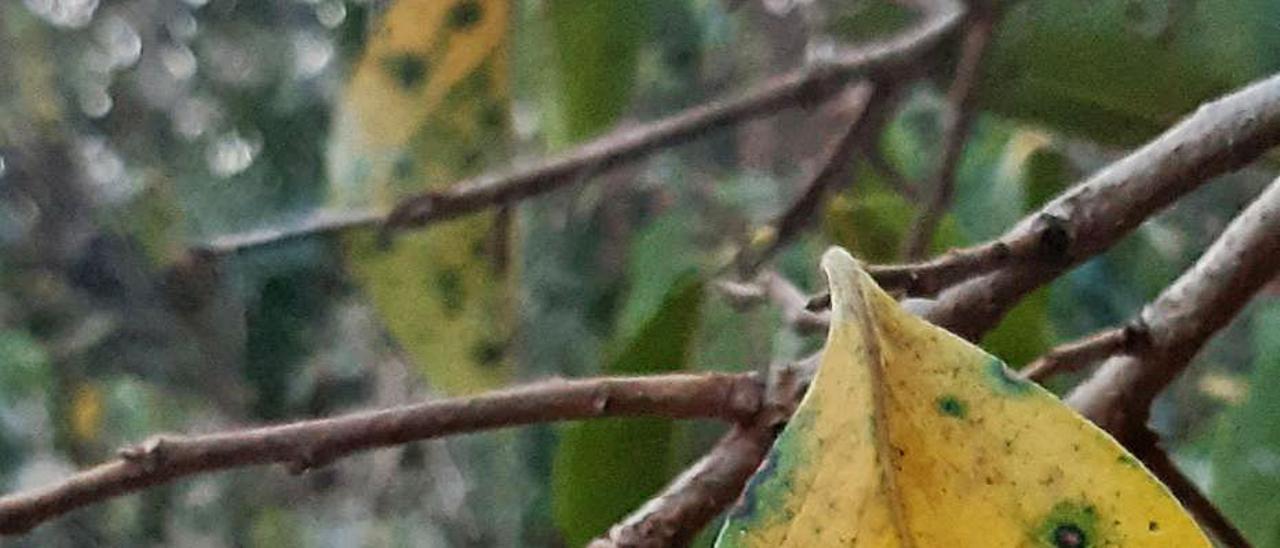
427	105
911	436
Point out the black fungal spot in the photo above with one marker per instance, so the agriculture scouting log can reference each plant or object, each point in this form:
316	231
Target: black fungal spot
952	406
464	15
1069	536
1072	525
493	116
407	69
488	353
1153	526
403	169
472	159
449	287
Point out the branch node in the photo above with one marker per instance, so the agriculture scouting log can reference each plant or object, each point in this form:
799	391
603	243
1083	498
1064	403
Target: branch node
149	454
818	303
1055	238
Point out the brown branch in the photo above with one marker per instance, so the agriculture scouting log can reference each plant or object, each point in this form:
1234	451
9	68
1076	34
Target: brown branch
1186	314
958	120
1046	242
1201	508
1219	137
1077	354
308	444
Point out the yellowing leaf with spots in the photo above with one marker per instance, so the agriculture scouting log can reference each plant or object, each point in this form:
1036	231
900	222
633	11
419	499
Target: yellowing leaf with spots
427	105
911	436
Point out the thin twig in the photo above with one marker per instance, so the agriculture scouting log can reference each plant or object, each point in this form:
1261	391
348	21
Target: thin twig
1201	508
1077	354
1046	242
958	119
1186	314
308	444
1219	137
834	169
794	305
887	172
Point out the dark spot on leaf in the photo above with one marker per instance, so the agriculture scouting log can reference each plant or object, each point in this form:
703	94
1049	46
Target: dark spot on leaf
449	287
407	69
494	116
952	406
464	15
1072	525
1068	535
471	160
488	353
403	169
1153	526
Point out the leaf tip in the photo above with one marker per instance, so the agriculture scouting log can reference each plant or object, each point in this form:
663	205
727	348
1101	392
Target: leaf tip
845	278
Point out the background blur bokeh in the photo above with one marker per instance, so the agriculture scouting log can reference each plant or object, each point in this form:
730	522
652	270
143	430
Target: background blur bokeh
132	131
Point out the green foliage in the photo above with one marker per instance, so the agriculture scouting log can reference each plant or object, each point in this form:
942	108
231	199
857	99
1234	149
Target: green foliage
605	468
1246	455
596	50
1120	71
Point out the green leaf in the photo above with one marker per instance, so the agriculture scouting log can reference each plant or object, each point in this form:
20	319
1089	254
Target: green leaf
597	44
25	366
1121	71
606	468
1246	458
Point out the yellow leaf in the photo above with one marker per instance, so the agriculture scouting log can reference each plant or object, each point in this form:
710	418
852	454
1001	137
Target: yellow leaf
86	412
427	106
911	436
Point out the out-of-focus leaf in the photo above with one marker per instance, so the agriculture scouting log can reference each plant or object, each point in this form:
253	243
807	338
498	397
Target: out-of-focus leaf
911	436
661	255
428	105
25	367
606	468
86	412
873	221
596	47
1246	456
1122	70
1024	333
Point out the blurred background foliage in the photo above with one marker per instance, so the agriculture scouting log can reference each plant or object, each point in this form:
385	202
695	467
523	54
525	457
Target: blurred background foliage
133	130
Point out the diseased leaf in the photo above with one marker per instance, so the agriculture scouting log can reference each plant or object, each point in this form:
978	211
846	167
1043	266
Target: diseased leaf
911	436
606	468
428	105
